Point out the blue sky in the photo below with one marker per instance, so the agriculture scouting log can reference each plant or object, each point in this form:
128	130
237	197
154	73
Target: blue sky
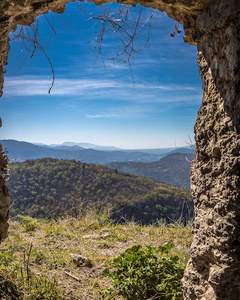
154	104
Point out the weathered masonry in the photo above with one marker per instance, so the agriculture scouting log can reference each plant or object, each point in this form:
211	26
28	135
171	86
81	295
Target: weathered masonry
213	271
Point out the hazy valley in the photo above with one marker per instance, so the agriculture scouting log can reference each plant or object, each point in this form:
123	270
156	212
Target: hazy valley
20	151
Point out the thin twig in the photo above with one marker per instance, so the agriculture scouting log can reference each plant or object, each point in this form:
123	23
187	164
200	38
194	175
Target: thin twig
51	25
30	38
72	276
126	28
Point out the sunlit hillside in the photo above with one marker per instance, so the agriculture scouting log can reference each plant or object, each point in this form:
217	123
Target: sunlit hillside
51	188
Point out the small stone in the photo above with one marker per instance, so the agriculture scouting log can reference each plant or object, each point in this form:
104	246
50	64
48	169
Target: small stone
81	261
102	235
92	236
105	230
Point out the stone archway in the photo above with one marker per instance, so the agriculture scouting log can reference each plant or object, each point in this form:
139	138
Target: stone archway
214	26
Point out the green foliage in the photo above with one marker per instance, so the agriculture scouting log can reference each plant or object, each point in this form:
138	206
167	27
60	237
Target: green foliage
145	273
4	164
51	188
29	224
6	258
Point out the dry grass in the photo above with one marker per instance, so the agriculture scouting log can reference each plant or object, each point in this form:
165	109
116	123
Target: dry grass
92	236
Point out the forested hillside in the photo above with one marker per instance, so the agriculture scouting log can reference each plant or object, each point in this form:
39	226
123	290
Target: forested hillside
51	188
172	169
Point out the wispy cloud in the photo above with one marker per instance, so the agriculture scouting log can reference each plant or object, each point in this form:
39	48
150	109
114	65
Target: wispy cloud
101	89
123	112
32	86
103	116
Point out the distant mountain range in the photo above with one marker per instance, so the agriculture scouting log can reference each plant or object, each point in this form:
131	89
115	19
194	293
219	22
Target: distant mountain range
20	151
163	165
81	145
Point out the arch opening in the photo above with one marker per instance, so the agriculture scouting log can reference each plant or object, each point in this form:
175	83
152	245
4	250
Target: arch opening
212	271
89	101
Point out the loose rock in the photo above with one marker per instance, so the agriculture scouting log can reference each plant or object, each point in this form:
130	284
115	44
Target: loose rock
81	261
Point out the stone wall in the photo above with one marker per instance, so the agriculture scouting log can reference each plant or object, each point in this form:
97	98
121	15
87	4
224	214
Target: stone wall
213	269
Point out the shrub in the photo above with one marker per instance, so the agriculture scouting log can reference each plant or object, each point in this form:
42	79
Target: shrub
29	224
145	273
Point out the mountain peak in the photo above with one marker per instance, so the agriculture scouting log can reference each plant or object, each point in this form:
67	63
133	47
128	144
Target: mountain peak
90	146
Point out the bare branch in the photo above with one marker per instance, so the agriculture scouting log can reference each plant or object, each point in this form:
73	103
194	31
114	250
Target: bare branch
126	27
191	144
30	38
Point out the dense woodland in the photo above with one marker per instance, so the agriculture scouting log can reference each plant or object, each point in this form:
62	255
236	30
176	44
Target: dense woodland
51	188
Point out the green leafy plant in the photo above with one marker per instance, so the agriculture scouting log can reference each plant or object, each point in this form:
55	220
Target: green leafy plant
142	273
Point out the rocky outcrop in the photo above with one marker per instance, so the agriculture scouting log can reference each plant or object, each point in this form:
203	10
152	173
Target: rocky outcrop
4	203
213	269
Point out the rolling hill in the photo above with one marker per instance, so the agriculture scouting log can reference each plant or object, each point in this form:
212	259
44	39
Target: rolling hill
50	188
173	169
